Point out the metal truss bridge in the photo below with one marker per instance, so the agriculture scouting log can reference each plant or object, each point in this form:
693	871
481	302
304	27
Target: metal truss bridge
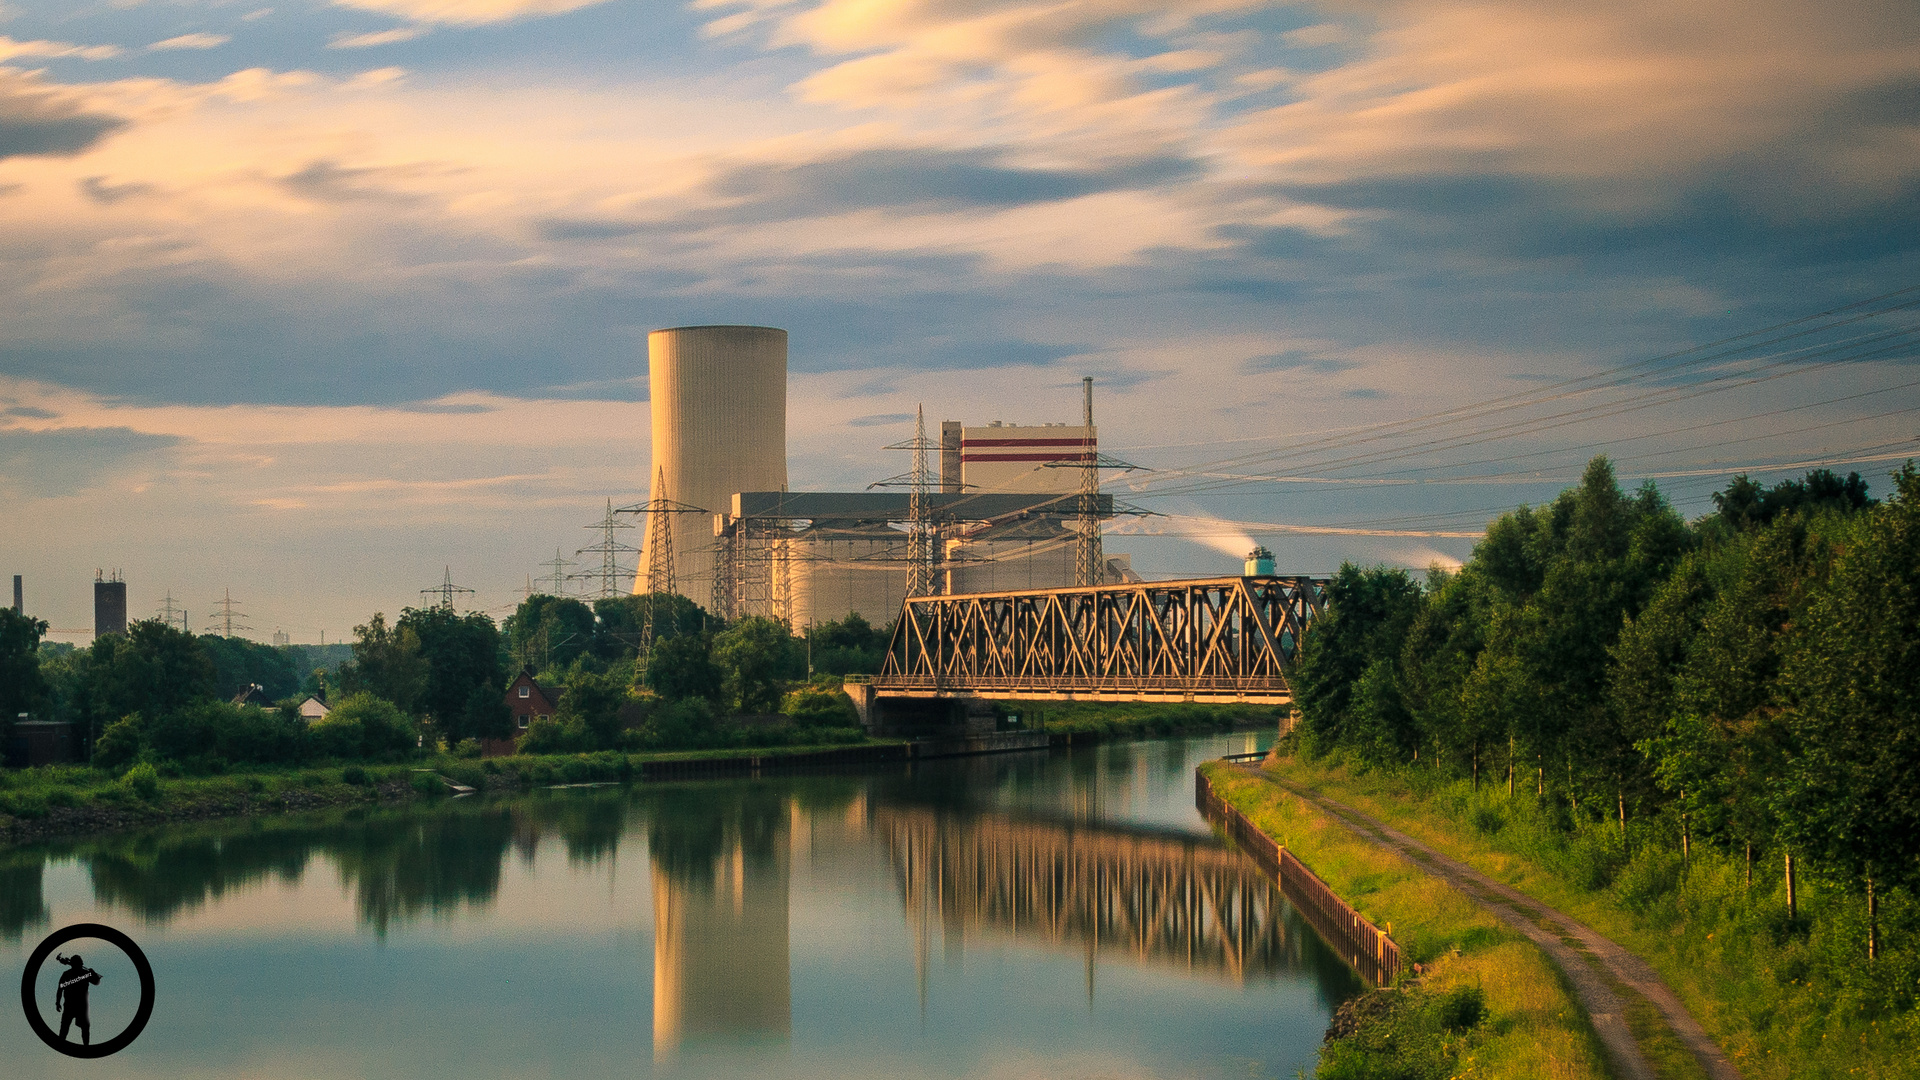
1210	640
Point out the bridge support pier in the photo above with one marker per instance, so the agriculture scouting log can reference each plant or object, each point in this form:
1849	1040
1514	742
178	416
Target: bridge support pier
965	716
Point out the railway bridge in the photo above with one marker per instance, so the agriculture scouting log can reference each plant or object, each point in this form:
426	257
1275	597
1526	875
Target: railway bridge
1210	640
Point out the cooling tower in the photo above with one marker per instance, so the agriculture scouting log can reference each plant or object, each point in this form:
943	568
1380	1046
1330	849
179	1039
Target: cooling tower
719	426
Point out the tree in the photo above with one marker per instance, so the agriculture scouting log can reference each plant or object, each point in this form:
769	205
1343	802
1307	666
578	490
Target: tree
548	632
755	656
593	701
239	663
849	646
387	662
1849	795
1366	619
619	622
465	687
152	669
364	726
682	667
22	687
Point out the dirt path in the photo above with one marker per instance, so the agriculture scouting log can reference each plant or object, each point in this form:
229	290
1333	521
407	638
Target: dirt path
1606	978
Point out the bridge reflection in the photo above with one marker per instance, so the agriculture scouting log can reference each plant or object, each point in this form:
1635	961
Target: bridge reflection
1151	899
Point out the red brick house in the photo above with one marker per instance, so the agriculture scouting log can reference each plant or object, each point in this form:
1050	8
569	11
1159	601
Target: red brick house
528	699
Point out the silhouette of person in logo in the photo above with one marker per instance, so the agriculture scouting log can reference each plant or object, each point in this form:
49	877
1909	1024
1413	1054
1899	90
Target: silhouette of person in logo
73	990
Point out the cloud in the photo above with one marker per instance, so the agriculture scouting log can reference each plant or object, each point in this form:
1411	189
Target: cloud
377	37
191	41
97	189
880	419
929	177
37	119
468	12
50	464
52	50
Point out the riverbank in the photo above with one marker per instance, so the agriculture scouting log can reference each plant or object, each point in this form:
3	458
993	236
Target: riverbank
1763	986
64	800
1481	1000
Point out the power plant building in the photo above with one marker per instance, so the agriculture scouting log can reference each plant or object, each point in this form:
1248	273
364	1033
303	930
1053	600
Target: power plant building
1005	500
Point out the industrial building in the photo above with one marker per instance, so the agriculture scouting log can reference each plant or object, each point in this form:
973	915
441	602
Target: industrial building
1010	506
109	605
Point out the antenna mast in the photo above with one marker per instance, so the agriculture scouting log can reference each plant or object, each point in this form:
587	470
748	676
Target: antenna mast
445	590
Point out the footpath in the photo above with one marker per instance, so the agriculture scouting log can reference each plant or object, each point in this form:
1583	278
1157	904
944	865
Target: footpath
1615	986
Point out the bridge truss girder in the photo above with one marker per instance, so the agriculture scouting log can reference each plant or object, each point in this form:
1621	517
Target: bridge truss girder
1216	639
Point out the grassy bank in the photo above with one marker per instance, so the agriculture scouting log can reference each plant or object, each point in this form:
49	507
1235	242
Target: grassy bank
1783	997
40	802
1522	1023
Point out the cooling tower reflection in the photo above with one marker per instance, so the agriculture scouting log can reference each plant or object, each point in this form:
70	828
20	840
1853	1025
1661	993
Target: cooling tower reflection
720	893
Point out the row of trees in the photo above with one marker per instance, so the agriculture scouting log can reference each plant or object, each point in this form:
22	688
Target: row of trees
1749	681
162	693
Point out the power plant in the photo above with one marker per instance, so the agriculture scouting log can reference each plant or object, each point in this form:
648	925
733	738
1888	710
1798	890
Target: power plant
1012	506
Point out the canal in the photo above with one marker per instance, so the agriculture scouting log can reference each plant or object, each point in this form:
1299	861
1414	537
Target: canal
1062	914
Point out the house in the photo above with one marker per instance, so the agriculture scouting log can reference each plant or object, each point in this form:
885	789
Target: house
313	709
528	700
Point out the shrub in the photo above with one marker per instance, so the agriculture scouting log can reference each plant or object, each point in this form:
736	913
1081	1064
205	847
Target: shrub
429	785
364	726
119	743
353	774
254	784
820	707
546	735
576	771
143	780
467	748
26	804
61	796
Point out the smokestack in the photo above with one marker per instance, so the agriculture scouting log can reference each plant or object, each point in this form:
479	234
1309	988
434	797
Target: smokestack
19	606
109	605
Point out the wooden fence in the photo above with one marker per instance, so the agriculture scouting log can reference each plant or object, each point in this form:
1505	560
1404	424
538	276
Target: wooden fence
1364	946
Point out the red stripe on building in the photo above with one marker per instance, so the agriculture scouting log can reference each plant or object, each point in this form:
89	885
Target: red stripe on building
1082	458
1022	442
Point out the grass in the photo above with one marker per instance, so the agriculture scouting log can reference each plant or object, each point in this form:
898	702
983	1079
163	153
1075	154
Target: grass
1531	1028
1784	999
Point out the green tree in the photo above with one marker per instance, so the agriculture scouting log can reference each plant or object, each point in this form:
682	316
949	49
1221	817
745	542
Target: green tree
22	686
152	669
465	687
1849	795
849	646
548	632
818	706
682	667
387	662
594	702
620	620
364	726
239	663
755	657
1365	622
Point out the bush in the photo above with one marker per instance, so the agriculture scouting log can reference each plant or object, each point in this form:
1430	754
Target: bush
143	780
818	707
429	785
353	774
26	804
62	796
364	726
467	748
546	735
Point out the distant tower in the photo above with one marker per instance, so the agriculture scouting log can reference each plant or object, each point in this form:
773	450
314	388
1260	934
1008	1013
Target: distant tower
19	600
719	401
1090	564
109	604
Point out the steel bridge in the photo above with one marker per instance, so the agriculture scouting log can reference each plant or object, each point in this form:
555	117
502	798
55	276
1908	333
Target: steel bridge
1208	640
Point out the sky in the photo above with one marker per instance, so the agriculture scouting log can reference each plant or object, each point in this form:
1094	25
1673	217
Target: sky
311	303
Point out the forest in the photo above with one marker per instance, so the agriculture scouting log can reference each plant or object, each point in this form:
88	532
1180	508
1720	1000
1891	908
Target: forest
1656	696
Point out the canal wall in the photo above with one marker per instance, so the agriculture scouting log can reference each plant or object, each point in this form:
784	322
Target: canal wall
1365	947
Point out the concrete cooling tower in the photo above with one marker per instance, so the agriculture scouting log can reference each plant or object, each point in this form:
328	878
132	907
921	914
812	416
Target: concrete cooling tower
719	426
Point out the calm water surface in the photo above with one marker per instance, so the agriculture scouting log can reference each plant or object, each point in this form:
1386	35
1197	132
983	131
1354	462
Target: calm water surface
1061	915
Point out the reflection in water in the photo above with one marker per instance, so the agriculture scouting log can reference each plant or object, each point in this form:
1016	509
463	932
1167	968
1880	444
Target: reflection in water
1152	899
1018	856
720	952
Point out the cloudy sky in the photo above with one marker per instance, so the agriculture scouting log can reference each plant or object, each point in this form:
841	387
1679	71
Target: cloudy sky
310	301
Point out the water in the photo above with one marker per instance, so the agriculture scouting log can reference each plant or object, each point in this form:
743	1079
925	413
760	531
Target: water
1059	915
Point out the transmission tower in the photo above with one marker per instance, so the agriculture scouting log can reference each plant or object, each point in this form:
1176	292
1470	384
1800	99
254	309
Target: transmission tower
609	573
923	534
1089	564
169	614
230	617
445	591
559	576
